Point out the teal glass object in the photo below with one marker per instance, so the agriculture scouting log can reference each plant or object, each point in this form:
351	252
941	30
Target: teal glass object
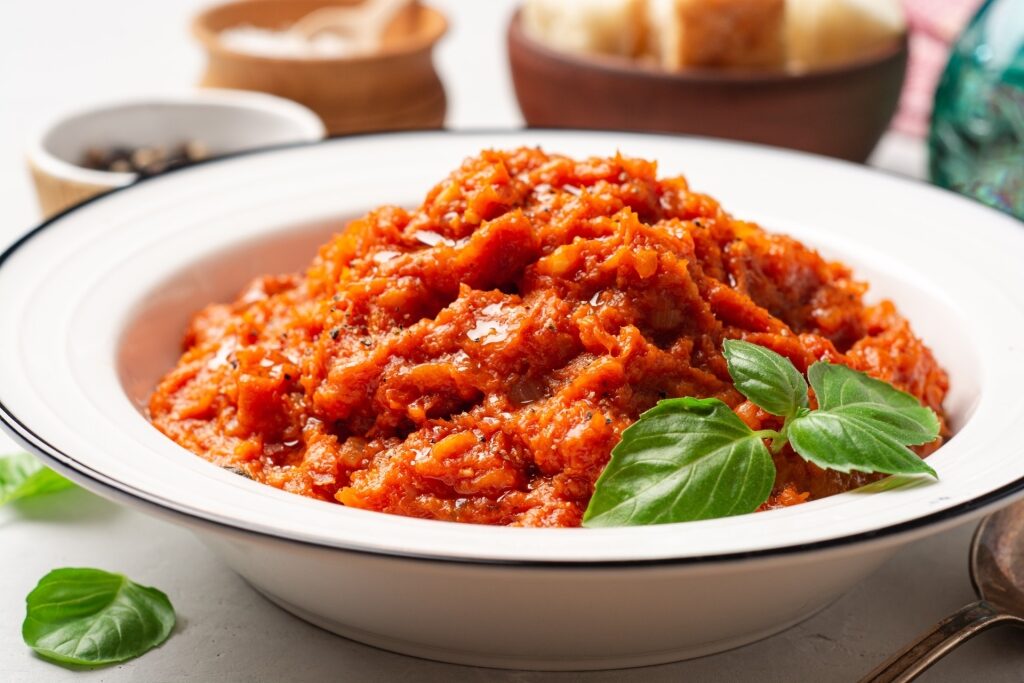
976	143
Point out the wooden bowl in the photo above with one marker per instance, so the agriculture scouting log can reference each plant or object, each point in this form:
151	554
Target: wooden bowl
394	88
837	111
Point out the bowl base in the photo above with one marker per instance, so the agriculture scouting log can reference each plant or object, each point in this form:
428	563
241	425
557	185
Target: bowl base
507	661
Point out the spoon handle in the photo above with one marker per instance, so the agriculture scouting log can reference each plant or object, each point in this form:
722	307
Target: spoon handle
952	631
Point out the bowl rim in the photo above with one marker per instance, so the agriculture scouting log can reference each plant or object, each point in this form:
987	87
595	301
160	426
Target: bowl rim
309	127
621	67
209	38
889	534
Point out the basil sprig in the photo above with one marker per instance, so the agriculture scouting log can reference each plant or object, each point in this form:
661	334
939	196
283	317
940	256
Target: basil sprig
90	617
688	459
23	476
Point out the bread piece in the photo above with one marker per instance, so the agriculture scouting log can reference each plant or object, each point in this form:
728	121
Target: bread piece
717	33
612	27
824	32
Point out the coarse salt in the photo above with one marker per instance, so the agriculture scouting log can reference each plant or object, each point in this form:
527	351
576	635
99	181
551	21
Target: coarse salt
270	43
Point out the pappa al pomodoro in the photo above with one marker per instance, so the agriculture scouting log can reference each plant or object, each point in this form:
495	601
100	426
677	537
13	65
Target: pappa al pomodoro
477	358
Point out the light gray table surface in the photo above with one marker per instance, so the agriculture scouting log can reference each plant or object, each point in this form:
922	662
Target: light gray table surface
56	55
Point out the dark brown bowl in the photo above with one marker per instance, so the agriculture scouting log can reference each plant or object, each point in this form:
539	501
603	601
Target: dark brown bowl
838	111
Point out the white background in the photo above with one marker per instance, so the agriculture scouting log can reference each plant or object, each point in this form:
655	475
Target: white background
56	56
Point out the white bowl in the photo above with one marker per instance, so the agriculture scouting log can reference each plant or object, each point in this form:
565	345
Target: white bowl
225	121
95	302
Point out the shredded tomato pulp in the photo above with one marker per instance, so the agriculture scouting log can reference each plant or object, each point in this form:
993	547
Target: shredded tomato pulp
477	358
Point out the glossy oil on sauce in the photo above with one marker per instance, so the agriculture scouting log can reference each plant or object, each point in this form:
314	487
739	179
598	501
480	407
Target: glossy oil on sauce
477	358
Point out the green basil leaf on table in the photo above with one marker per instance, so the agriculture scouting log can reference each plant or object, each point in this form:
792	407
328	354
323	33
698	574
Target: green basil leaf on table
23	476
765	377
685	459
92	617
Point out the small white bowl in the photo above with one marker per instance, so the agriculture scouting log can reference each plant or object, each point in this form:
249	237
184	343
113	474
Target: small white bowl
95	302
225	121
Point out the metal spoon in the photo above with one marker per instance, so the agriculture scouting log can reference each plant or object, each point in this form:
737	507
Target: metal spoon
997	572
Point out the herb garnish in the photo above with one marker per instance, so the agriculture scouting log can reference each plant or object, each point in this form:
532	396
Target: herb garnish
90	617
688	459
23	476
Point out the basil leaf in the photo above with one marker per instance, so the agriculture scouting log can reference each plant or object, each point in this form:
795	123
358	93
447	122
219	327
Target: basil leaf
844	440
91	617
23	476
862	424
897	413
767	378
685	459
